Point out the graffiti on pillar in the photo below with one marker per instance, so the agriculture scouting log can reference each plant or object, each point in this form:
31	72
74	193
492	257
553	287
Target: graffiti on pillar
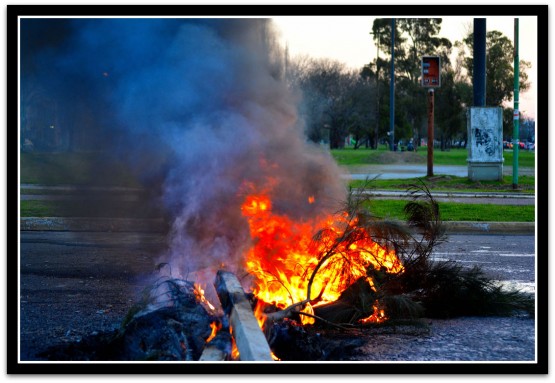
485	139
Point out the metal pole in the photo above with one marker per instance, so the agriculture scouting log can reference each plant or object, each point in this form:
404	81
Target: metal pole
377	127
479	63
430	132
392	89
516	115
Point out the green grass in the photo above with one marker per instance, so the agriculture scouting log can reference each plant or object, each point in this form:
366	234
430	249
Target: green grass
37	209
452	184
349	156
452	211
393	209
103	209
73	169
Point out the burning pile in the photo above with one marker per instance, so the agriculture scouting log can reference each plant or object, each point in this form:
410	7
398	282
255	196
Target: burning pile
289	264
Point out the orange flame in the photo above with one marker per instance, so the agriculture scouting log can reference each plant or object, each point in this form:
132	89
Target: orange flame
215	326
284	257
234	350
199	293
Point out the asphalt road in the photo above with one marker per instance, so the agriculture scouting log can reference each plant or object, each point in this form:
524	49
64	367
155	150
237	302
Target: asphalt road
73	284
511	259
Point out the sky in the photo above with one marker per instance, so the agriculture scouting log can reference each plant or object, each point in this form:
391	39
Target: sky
347	39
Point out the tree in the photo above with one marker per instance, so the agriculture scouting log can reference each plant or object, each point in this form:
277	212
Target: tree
335	101
499	71
414	38
499	67
449	112
361	116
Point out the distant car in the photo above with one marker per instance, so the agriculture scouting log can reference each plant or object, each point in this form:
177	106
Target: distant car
507	145
530	146
522	145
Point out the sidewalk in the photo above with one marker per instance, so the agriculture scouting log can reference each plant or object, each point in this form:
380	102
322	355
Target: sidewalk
403	171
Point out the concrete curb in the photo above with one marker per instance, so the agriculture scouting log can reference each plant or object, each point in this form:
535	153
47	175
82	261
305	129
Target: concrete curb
465	227
157	225
401	194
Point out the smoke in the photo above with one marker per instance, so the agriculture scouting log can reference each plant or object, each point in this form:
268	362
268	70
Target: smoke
199	109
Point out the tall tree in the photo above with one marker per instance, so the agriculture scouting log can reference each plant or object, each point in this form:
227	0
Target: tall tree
499	67
499	72
335	101
414	38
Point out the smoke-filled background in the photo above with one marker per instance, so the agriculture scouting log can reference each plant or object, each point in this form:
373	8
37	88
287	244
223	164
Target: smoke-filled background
197	108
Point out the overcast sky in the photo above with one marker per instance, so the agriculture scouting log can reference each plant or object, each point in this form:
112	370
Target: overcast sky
347	39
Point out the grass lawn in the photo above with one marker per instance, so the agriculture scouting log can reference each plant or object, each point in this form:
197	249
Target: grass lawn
393	209
73	169
451	183
349	156
106	209
451	211
82	168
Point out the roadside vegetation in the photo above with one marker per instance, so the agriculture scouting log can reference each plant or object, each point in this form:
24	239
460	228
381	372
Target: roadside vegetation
73	168
393	209
454	211
349	157
526	184
355	160
80	169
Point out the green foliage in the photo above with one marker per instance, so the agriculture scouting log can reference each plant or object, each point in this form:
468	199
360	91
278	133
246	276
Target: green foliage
499	73
334	100
454	211
499	66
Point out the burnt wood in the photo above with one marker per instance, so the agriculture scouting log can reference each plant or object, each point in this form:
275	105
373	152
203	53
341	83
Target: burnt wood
250	340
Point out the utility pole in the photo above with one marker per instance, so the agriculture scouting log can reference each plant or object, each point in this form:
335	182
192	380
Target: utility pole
516	113
479	77
431	78
392	90
377	128
430	172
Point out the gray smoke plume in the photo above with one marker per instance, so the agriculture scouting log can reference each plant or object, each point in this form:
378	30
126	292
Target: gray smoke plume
200	110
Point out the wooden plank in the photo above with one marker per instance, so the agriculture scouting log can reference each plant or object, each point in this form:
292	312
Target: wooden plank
211	353
250	340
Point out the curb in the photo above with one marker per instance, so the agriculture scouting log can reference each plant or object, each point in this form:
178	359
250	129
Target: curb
465	227
158	225
400	194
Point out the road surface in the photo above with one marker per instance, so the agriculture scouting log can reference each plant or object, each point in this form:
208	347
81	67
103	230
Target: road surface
76	283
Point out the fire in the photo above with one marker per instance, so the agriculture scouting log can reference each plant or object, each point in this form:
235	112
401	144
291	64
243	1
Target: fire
284	256
199	293
376	317
215	326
